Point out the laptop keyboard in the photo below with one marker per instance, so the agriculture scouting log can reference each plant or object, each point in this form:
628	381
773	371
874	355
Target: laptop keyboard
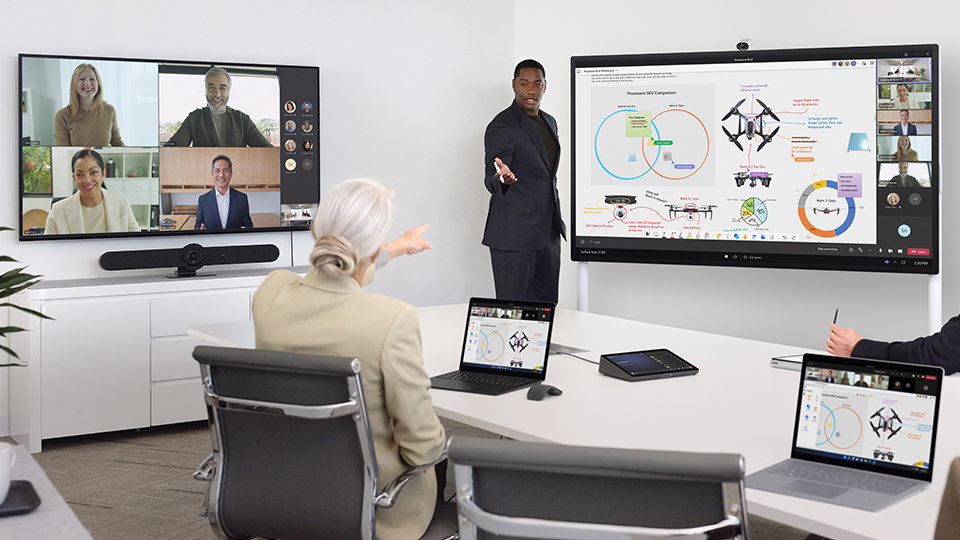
485	378
839	476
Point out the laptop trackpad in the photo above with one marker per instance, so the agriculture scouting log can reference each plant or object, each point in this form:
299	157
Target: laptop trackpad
815	489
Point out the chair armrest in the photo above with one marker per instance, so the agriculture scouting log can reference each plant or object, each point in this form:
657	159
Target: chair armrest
391	491
205	469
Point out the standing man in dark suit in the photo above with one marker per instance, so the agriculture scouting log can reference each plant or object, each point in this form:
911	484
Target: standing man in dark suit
524	226
223	207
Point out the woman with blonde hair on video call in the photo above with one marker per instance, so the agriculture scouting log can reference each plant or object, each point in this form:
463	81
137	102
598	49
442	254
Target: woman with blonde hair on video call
92	209
905	151
87	120
326	312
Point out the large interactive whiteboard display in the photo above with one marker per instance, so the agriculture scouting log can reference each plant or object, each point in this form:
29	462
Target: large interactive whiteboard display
819	158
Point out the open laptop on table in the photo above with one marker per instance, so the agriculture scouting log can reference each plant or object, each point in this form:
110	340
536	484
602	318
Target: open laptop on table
864	433
505	347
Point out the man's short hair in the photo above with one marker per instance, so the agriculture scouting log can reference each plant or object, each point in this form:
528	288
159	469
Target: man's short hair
218	158
529	63
217	71
905	111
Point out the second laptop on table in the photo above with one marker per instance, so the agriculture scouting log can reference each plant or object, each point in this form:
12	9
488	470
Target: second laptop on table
505	347
864	433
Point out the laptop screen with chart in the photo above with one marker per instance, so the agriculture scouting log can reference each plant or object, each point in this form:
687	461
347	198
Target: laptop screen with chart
507	336
878	416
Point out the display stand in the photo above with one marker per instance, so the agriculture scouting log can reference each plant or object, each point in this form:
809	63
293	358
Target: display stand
583	286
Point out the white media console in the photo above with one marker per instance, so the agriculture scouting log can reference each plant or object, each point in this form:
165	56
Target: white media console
116	355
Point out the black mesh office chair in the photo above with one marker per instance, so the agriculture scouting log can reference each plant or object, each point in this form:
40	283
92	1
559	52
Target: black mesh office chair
512	489
292	452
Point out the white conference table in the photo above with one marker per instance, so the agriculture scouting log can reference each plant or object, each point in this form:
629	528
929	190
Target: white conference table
736	404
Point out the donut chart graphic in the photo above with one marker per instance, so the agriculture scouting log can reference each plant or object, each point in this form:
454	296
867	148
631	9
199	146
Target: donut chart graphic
802	210
753	211
491	347
673	113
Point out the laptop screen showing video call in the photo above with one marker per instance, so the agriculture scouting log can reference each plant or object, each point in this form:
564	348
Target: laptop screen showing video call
513	338
868	416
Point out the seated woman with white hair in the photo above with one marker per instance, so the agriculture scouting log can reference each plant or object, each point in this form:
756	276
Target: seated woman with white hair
326	312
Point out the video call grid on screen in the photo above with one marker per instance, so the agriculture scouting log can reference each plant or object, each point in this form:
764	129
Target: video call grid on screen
868	415
509	338
793	158
157	140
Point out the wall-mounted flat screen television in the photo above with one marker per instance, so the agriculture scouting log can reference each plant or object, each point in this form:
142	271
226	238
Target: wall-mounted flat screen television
814	158
131	147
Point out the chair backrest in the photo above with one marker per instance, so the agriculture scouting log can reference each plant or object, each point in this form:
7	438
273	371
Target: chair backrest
512	489
948	524
296	457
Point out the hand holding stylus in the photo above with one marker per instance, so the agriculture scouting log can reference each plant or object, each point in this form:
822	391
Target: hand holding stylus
506	175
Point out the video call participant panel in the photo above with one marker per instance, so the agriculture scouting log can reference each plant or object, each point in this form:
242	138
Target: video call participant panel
904	70
85	102
904	148
905	174
91	193
904	96
875	415
300	116
223	105
905	122
514	338
193	177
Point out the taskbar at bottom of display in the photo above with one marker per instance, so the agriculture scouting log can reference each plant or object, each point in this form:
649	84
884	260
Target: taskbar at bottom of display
870	263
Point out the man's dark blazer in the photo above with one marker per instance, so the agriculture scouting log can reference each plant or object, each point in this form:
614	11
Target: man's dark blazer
911	129
238	216
524	215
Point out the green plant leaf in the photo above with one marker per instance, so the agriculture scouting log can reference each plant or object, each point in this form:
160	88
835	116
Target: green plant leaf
7	258
9	291
4	330
10	351
27	310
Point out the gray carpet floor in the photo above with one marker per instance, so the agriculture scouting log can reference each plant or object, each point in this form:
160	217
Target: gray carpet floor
139	484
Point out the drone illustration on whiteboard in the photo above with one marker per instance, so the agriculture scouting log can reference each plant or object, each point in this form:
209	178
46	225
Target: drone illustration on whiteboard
750	124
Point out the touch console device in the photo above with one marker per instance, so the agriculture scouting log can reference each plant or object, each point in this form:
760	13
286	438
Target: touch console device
642	365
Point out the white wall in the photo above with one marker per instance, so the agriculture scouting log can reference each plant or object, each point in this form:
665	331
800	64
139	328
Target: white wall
788	306
406	91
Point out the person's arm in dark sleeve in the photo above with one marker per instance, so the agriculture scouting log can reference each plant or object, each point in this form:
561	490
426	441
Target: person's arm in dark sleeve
497	143
252	135
941	349
245	221
199	223
184	136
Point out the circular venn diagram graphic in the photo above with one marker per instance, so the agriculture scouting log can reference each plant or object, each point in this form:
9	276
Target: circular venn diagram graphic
491	347
666	146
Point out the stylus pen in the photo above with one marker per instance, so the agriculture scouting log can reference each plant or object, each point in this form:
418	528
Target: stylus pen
835	315
497	167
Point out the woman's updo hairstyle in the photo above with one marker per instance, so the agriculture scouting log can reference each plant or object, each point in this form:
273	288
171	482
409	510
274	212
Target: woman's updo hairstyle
351	223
